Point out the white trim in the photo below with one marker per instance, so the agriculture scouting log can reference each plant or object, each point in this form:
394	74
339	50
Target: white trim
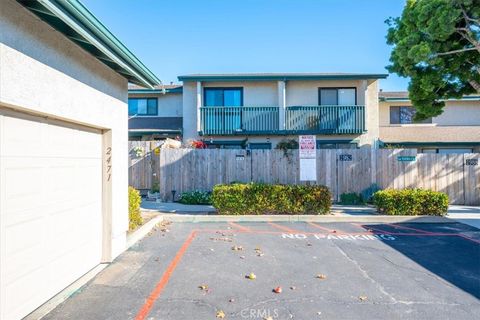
65	18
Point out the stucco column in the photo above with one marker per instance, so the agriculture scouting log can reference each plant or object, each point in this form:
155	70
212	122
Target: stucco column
282	104
199	104
363	100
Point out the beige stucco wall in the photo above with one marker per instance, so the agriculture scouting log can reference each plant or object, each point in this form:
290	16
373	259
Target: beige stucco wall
189	111
169	104
298	93
460	122
455	113
44	73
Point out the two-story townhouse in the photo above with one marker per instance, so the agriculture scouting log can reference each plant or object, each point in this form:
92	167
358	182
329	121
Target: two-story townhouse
259	110
154	114
457	129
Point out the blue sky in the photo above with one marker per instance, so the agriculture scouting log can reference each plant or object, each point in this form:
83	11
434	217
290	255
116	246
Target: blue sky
223	36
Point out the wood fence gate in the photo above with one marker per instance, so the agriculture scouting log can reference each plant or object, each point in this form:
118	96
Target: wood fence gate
193	169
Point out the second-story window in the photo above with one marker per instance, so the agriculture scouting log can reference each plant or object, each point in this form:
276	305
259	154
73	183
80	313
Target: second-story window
337	96
404	115
142	106
223	97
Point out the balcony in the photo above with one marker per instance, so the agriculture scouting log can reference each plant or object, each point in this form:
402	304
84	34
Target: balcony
325	119
298	120
238	120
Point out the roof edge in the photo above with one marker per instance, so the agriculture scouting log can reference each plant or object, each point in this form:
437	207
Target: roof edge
76	16
401	99
279	77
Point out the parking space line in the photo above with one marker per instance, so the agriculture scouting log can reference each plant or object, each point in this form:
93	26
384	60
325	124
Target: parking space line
468	238
239	227
285	229
147	307
407	228
321	228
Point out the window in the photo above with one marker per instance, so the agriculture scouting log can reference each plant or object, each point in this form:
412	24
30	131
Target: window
404	115
337	96
223	97
142	107
324	144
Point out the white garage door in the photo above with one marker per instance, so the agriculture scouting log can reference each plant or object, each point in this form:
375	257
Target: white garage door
50	209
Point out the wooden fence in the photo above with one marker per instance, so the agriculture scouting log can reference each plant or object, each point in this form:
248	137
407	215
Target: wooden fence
188	169
144	165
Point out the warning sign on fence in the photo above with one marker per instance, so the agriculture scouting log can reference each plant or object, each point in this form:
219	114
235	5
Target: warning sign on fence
308	157
307	147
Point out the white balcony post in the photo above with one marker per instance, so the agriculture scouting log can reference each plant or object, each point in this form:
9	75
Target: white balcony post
199	104
282	104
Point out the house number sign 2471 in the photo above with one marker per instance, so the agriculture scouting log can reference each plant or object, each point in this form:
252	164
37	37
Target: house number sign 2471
109	163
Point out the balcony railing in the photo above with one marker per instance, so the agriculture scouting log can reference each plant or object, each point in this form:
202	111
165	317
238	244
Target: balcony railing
232	120
298	119
325	119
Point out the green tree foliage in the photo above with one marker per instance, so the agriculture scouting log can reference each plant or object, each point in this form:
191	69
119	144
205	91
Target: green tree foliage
436	44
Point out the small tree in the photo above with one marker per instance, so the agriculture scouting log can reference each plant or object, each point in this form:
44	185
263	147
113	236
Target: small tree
436	44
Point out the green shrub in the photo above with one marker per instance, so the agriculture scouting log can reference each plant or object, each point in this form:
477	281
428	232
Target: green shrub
259	198
196	197
351	198
411	202
134	216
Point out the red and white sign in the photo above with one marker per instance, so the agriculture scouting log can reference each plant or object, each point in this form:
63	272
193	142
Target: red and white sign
308	157
307	146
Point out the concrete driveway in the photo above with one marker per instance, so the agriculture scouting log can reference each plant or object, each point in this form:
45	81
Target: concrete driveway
325	271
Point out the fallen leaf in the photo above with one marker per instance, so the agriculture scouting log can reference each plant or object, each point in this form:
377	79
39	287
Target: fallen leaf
277	290
293	288
260	254
268	318
362	298
237	248
231	300
203	287
220	314
251	276
321	276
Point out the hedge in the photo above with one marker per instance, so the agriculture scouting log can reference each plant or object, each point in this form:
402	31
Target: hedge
134	216
260	198
411	202
195	197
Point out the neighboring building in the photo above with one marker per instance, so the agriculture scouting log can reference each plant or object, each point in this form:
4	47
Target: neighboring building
63	147
154	114
456	130
260	110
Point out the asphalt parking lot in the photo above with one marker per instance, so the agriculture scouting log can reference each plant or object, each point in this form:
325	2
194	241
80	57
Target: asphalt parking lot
325	271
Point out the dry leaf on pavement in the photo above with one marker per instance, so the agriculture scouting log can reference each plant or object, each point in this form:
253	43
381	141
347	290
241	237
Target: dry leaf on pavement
220	314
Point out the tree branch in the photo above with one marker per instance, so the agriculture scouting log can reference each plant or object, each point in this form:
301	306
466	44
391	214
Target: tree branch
467	18
475	85
455	51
